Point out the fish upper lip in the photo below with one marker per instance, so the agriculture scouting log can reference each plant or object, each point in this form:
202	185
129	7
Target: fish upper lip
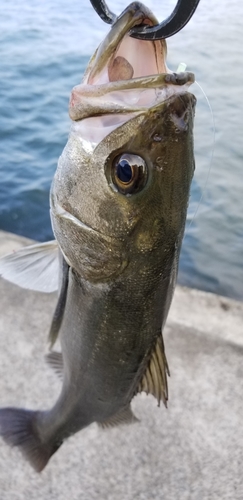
95	100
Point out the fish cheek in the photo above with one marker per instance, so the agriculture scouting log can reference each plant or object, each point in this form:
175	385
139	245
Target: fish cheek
93	256
149	238
120	217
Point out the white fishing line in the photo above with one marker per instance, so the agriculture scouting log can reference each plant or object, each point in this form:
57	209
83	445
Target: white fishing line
211	156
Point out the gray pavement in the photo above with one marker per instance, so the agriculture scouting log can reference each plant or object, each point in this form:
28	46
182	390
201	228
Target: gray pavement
191	451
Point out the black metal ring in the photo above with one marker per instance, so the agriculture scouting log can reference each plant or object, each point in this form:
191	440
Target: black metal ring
103	11
180	16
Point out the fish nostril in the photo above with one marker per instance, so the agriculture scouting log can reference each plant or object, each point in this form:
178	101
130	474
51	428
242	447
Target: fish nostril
179	107
180	123
179	114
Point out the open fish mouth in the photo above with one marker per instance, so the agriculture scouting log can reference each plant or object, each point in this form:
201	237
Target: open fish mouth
125	76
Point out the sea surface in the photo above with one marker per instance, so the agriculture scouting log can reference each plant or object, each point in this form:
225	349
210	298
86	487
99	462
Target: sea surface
44	49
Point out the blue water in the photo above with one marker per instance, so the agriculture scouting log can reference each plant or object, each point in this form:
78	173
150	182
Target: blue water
44	49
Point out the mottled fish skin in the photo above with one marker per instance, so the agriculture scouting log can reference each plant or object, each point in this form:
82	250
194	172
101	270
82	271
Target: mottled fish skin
122	251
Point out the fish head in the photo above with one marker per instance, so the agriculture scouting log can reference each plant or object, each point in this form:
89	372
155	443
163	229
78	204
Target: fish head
120	194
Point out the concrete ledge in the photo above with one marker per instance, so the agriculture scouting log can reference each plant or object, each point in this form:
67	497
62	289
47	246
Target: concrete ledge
193	450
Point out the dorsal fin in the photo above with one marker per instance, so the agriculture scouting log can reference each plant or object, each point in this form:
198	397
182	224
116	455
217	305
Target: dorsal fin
154	380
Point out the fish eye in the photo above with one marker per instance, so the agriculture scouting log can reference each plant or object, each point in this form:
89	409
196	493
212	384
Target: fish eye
129	173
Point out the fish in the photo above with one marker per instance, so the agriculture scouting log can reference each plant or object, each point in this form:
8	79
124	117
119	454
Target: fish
118	206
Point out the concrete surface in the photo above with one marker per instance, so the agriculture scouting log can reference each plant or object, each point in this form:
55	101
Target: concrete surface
192	451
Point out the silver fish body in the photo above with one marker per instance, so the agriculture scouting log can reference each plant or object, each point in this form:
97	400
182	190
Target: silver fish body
118	210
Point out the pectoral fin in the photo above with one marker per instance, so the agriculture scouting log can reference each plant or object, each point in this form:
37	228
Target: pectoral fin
154	380
35	267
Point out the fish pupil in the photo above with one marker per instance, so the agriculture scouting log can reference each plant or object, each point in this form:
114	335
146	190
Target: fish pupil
124	171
